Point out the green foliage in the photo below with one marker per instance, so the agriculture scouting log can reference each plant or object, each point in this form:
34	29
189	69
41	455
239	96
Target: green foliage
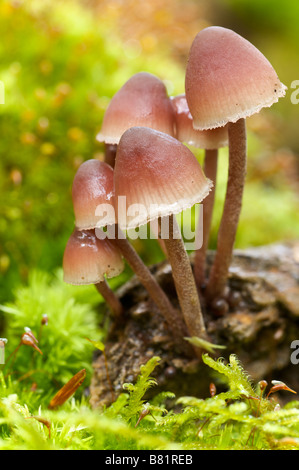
71	317
237	380
204	344
137	391
243	417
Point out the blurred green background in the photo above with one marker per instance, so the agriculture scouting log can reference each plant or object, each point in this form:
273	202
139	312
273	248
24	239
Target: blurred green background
62	61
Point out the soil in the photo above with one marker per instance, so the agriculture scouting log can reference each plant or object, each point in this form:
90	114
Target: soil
259	327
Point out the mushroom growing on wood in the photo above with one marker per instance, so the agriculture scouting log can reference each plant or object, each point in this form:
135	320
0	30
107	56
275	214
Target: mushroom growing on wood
210	140
162	177
88	260
227	80
93	194
141	101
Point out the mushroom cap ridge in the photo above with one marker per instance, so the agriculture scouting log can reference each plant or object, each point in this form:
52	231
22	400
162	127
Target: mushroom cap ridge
92	187
227	78
209	139
141	101
87	259
157	173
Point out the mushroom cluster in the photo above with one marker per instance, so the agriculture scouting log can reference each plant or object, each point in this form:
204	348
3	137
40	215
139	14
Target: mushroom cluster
150	175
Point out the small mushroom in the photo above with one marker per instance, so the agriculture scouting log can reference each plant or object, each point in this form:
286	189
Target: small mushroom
210	140
162	177
93	193
141	101
227	80
88	260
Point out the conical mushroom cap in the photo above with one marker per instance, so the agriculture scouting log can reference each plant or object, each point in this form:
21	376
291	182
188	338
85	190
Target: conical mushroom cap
92	193
142	101
87	259
185	132
227	78
158	173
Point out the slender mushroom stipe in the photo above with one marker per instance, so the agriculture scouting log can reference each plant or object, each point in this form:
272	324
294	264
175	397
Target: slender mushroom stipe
110	154
175	323
183	279
210	170
231	211
210	140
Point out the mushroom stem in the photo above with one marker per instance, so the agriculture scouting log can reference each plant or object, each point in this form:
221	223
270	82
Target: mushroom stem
175	323
184	280
231	211
157	233
110	154
210	170
110	298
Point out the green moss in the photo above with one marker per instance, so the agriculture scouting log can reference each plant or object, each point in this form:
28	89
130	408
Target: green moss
243	417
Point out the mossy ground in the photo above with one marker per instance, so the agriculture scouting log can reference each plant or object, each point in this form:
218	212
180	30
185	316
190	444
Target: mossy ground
242	416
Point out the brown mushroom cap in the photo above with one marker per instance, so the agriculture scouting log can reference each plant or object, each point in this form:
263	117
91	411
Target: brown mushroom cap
227	78
142	101
87	260
209	139
157	172
92	186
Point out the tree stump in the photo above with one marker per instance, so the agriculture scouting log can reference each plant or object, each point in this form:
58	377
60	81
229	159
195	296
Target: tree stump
260	326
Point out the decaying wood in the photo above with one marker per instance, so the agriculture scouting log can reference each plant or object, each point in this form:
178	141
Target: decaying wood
262	322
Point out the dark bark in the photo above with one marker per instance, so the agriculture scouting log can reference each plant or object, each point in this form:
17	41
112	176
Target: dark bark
262	322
